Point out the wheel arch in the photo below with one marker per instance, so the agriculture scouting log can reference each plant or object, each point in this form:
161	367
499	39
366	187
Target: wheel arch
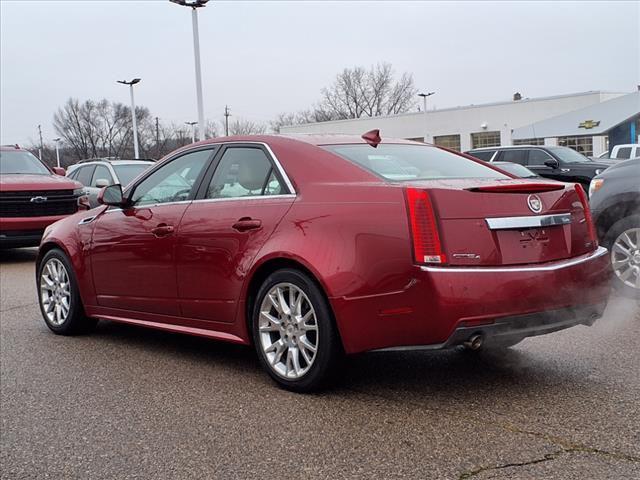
616	210
265	268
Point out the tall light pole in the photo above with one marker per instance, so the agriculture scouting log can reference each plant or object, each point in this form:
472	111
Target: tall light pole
193	130
133	114
57	142
426	121
195	4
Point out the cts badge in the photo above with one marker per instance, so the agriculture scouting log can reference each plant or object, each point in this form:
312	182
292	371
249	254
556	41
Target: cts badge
535	203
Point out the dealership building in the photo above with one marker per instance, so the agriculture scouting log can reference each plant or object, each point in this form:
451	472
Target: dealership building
590	122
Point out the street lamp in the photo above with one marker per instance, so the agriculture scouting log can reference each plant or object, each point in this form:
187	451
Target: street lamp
193	130
426	121
133	114
57	142
195	4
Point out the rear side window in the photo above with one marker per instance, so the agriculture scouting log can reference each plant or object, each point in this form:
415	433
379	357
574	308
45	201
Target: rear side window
244	172
84	175
483	154
413	162
514	156
624	153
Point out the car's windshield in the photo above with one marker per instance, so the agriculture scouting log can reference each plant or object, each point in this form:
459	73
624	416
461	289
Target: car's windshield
413	162
126	173
568	155
21	162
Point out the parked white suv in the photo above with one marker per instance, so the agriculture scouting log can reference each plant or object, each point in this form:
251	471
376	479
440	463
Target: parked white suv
101	172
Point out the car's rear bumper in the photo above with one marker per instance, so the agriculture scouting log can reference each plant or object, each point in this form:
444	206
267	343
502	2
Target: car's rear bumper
24	231
444	306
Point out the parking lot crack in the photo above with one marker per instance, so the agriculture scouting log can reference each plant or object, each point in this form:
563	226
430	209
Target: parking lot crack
478	470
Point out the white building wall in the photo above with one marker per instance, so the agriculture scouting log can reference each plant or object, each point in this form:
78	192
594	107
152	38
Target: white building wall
463	121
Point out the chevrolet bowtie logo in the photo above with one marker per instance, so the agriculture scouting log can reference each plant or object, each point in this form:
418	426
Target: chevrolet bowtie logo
38	199
589	124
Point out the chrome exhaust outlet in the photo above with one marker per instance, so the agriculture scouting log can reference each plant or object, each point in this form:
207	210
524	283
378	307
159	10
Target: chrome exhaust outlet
474	342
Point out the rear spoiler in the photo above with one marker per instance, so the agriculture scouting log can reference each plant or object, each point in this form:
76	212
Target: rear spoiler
519	188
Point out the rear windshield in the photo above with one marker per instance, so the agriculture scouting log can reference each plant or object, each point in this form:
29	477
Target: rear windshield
413	162
21	162
126	173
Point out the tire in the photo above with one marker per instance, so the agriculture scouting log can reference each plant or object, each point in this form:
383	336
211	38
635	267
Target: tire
56	281
615	238
280	336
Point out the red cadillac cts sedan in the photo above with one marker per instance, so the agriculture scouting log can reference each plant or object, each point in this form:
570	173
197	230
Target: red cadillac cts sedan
309	247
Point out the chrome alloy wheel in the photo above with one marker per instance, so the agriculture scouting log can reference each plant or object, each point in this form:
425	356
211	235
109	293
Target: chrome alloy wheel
288	330
55	291
625	257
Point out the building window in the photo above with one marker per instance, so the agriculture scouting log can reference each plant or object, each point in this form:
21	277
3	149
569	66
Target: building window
584	145
485	139
448	141
416	139
529	141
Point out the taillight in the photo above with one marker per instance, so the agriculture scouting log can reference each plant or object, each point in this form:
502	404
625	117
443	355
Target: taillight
587	215
424	228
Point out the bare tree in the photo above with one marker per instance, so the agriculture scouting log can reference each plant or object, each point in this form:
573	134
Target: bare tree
245	127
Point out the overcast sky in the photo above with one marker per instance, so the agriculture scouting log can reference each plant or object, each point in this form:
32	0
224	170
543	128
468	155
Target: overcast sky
264	57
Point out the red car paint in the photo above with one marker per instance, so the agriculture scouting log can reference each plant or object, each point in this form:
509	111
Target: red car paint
25	228
351	231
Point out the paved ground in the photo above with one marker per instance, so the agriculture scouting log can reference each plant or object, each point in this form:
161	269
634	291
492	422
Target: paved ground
132	403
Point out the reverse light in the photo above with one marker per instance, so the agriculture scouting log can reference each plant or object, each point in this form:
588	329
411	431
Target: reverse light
587	215
427	247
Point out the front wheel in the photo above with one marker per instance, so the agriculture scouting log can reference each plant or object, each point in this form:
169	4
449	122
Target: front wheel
294	332
59	297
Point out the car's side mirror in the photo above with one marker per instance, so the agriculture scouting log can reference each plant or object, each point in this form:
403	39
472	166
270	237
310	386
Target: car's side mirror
112	195
102	182
59	171
553	163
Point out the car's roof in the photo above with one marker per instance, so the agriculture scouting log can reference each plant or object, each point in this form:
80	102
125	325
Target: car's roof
112	162
507	147
8	148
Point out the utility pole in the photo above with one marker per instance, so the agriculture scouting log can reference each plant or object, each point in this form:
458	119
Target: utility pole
41	142
57	142
133	114
157	138
227	114
426	119
193	130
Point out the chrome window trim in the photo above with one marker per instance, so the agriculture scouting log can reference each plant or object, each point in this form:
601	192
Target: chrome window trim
542	268
248	197
510	223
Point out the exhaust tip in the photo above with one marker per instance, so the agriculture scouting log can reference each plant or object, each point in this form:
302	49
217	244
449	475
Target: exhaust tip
474	342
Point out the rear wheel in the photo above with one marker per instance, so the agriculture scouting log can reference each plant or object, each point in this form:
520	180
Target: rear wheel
623	241
293	331
59	297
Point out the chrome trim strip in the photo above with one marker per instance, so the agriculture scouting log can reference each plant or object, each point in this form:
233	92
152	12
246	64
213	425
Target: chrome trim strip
509	223
542	268
253	197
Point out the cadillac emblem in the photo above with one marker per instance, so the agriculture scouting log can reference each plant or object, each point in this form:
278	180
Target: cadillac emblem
535	203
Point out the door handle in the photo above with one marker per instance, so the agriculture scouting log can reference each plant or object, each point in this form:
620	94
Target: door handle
246	223
162	230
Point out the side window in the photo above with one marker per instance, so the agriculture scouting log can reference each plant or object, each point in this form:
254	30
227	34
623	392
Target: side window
538	157
244	172
73	174
172	182
103	174
514	156
84	175
483	154
624	153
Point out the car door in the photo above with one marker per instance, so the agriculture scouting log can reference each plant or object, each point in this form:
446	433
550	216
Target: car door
132	252
536	163
241	202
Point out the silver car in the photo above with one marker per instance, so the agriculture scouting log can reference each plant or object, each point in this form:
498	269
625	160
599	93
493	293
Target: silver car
101	172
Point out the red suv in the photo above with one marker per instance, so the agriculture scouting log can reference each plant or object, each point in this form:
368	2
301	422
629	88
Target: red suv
32	196
311	247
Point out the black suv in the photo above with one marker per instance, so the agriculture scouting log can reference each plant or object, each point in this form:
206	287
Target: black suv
615	204
557	163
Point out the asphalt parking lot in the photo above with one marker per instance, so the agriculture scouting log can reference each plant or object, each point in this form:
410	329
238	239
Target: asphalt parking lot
132	403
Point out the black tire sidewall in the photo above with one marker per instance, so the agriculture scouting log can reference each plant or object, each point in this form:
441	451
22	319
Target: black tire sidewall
328	343
75	318
632	221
